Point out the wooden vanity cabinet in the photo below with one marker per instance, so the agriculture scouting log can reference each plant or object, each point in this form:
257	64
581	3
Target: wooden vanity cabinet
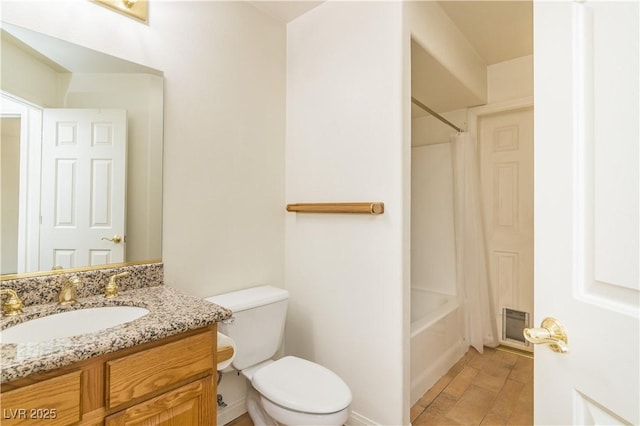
167	382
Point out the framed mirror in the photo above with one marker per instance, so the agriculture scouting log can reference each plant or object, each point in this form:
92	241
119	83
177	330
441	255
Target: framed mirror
113	205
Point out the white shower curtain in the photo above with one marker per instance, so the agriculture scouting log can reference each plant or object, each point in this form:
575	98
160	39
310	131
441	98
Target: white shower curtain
474	290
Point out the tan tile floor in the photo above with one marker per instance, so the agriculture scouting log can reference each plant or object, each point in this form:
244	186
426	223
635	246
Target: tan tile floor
493	388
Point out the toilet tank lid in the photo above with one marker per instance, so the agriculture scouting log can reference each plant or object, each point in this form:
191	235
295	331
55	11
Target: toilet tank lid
250	297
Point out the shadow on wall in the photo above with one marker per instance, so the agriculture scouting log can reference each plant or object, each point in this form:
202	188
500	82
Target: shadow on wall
302	328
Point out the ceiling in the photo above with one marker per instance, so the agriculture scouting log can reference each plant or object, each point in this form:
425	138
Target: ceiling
286	11
63	56
498	30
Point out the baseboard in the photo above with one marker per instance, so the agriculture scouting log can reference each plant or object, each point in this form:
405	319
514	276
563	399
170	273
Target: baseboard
356	419
231	411
527	353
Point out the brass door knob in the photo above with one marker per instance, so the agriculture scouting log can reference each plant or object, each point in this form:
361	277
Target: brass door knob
115	240
550	332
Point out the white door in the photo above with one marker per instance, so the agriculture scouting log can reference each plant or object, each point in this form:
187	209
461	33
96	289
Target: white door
83	187
506	174
586	210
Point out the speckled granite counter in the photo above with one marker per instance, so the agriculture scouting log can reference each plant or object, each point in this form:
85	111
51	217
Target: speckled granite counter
170	313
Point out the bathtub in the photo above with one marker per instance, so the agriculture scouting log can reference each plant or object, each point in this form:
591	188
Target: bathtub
436	339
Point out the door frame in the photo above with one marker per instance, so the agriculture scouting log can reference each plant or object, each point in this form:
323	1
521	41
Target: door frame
30	180
476	113
473	117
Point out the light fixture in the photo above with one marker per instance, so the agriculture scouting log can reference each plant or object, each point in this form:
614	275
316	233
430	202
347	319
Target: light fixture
138	9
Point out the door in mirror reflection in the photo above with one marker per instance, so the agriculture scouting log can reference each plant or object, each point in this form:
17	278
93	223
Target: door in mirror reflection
83	187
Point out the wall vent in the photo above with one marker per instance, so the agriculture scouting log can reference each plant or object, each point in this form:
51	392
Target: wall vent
513	323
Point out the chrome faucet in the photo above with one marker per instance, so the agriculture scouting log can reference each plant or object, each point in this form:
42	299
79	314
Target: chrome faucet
68	293
111	289
12	305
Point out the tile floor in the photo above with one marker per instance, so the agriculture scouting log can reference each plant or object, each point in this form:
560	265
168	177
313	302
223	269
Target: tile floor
495	388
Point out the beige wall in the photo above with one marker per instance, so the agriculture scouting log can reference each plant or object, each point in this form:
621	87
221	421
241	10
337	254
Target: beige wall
28	78
510	79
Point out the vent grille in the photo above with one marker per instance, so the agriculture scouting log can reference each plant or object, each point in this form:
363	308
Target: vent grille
513	323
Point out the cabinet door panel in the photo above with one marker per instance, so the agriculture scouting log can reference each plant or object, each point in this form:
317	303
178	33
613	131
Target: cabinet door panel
190	404
140	374
53	402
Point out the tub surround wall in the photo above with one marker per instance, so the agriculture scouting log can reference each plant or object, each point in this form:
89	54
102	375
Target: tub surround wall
433	254
436	339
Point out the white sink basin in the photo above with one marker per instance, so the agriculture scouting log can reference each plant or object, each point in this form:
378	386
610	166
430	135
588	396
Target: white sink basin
71	323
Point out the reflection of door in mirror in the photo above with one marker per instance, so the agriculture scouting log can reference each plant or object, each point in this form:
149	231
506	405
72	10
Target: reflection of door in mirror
83	187
63	186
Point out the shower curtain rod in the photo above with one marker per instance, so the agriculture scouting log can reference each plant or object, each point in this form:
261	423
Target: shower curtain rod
435	114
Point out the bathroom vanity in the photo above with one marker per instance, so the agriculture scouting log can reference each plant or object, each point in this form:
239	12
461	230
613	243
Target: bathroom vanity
156	369
167	380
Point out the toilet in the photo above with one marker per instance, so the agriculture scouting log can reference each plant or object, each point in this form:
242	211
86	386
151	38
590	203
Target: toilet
289	391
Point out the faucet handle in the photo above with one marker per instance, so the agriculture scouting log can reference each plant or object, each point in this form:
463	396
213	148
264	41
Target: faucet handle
74	281
111	289
68	293
12	305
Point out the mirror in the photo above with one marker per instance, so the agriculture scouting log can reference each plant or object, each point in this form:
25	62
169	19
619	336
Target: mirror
41	74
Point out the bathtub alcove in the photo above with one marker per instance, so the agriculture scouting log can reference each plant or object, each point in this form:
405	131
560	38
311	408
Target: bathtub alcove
436	332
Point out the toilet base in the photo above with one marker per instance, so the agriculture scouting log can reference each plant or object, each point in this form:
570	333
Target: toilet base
264	412
256	412
295	418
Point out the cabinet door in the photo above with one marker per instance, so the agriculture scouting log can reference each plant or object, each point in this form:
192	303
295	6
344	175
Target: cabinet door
150	371
53	402
191	404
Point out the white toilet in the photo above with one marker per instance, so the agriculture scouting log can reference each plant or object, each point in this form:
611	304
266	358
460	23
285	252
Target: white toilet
290	391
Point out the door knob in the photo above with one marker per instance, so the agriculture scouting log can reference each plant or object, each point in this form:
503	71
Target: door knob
115	240
550	332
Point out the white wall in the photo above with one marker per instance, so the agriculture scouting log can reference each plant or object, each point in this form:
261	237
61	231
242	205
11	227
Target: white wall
345	143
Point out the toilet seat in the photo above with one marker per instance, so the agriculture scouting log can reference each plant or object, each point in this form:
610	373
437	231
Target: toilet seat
303	386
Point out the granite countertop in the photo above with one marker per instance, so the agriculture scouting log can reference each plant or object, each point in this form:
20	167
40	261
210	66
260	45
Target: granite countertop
170	313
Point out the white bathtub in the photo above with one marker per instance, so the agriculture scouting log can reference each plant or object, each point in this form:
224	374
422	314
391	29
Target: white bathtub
436	339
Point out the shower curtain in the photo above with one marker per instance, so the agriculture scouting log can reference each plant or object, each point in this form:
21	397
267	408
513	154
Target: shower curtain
474	291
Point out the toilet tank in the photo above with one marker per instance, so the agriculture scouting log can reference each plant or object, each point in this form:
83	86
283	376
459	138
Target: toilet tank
259	315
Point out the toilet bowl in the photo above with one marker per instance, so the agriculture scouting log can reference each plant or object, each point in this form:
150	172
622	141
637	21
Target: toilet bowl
290	391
